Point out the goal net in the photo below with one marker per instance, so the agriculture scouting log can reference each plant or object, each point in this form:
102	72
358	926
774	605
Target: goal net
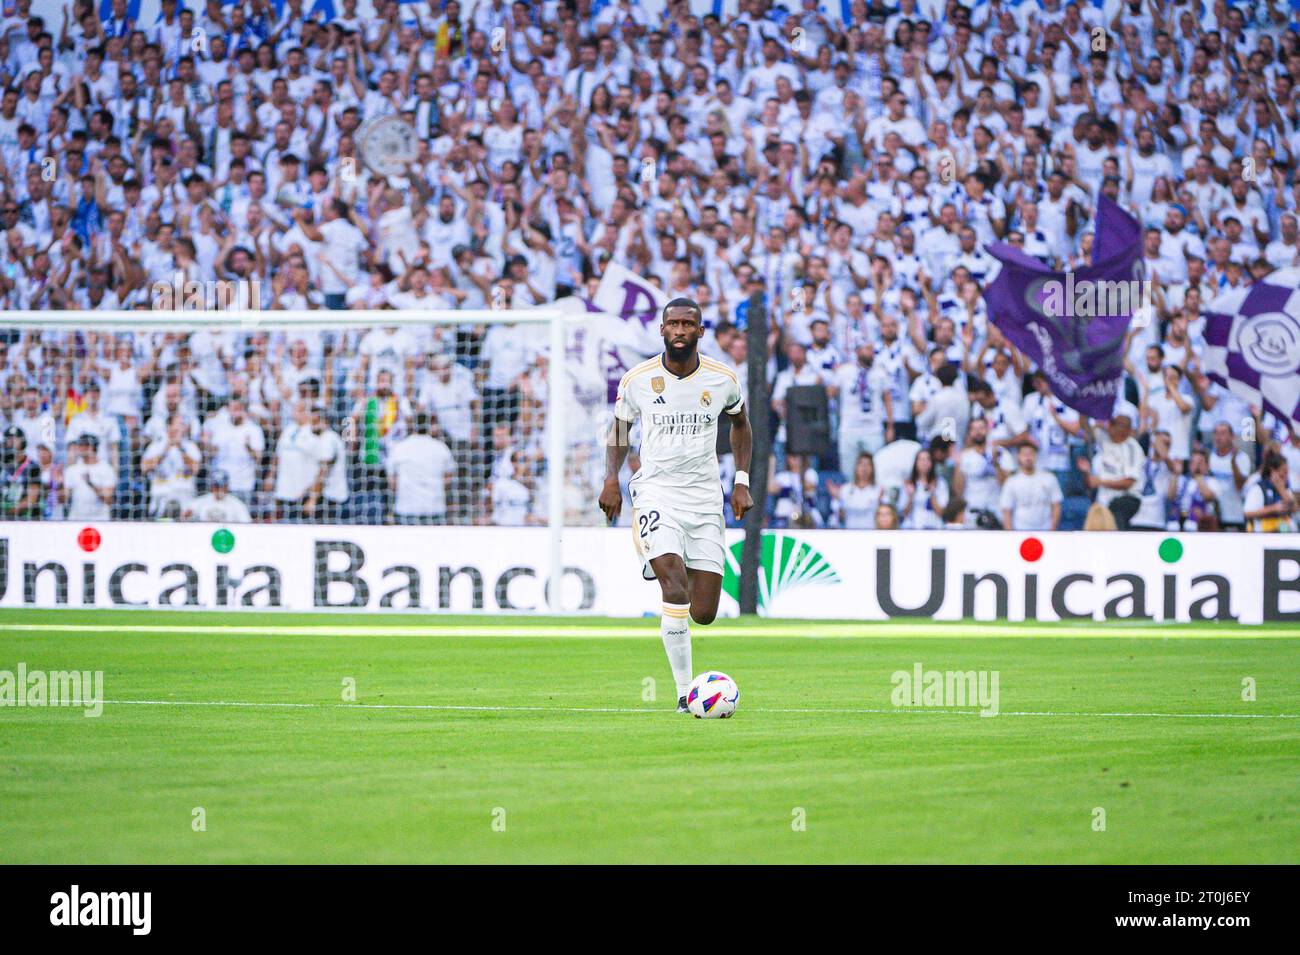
393	417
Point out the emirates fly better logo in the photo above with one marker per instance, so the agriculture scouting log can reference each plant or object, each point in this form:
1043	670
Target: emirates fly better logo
784	563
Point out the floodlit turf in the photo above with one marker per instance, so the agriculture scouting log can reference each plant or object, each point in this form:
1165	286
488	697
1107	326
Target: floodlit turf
403	776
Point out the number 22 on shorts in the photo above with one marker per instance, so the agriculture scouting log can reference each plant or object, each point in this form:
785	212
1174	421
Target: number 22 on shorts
648	522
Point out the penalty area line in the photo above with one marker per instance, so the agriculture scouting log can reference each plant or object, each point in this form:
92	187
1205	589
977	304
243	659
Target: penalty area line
866	711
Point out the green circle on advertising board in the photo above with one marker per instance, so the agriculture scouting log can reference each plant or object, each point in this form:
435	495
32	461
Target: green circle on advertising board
223	541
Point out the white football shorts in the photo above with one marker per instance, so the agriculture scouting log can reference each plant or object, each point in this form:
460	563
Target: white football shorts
696	538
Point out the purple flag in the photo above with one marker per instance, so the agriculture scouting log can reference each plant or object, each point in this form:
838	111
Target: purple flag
1252	338
1072	324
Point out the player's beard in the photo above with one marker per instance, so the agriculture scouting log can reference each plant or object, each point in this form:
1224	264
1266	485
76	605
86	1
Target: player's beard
685	353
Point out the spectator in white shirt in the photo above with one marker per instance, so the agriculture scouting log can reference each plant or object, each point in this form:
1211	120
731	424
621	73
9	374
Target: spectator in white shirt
505	358
925	494
172	464
1168	409
1230	468
234	444
343	246
420	469
88	484
1031	499
1270	505
1116	468
1006	423
946	414
448	393
391	349
298	469
218	506
1158	486
1196	495
37	424
859	498
91	420
334	456
977	477
512	497
794	494
1052	424
866	405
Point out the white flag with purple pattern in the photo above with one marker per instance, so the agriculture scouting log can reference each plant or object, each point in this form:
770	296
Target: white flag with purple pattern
1253	339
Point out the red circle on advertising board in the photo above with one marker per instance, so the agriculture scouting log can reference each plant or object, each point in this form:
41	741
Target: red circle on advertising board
1031	548
89	539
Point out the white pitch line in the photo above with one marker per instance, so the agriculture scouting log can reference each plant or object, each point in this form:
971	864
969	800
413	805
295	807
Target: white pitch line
866	629
383	706
932	710
947	711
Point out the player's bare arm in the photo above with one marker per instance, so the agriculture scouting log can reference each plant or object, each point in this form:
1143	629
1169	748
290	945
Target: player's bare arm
616	448
742	443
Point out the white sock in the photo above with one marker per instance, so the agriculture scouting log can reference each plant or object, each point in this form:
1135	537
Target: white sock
675	627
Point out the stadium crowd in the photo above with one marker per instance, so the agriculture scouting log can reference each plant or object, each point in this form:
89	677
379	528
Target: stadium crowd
849	173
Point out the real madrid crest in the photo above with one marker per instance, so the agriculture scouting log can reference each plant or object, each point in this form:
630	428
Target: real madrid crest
387	144
657	384
706	399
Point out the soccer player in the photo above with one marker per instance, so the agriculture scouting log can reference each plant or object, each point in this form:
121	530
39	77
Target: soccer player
677	521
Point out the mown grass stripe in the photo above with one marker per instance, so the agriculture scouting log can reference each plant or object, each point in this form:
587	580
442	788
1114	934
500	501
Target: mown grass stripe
648	630
811	711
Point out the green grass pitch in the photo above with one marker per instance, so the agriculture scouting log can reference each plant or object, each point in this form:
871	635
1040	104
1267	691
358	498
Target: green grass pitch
499	739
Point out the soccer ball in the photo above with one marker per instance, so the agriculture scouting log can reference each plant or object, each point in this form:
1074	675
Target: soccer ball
712	696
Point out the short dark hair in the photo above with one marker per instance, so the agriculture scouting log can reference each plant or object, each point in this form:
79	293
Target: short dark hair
1272	462
683	302
954	509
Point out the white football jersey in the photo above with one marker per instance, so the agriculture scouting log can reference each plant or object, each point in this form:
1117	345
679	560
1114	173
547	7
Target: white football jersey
679	432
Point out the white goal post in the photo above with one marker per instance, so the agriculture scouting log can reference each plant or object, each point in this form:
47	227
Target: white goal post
558	322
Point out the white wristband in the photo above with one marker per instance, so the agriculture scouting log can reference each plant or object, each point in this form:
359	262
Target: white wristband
742	477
